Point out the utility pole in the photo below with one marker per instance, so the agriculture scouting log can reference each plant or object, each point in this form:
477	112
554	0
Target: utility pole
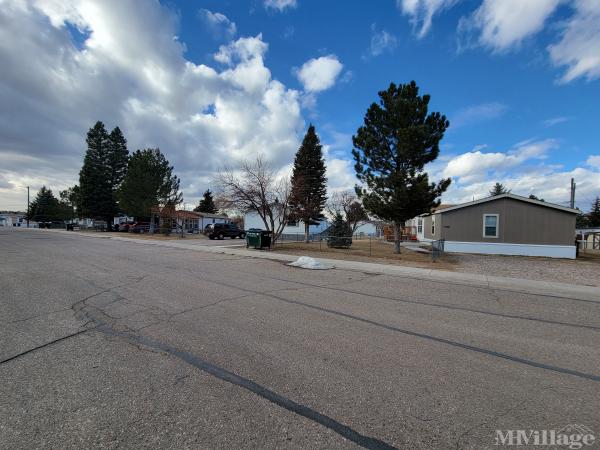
28	212
573	186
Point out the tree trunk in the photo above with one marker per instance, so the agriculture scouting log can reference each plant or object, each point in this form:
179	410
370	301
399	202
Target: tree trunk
306	229
397	237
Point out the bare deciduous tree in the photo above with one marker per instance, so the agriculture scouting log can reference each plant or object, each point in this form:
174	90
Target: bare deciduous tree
347	205
254	187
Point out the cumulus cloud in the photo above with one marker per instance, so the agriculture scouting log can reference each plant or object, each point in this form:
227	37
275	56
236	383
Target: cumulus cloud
501	25
280	5
476	165
477	113
381	41
218	24
522	169
319	74
594	161
421	12
579	47
130	71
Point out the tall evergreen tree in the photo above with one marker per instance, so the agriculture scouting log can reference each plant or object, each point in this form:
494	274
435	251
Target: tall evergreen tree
94	179
309	184
149	183
594	215
104	167
498	189
207	204
118	156
45	207
390	151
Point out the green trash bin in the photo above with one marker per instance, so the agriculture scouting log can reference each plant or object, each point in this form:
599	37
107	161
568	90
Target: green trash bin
258	238
253	238
265	239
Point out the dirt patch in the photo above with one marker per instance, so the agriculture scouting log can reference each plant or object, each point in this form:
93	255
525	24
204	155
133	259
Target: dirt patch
149	236
375	251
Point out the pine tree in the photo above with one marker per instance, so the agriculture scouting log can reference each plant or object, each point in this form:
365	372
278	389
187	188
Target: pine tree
535	197
94	179
149	183
339	233
391	149
207	204
104	167
498	189
594	215
309	184
118	156
45	207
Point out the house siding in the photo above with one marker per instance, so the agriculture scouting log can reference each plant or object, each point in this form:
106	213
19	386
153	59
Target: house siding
519	223
427	220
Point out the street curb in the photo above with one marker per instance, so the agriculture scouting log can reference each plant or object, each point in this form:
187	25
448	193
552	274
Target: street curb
546	288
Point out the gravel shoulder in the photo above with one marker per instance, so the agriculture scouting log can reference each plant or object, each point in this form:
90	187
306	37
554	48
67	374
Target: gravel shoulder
584	271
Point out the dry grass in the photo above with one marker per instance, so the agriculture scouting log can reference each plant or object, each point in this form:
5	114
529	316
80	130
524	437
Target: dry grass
148	236
361	250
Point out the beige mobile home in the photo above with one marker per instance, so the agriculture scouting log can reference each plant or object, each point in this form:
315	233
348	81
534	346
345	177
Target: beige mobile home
506	224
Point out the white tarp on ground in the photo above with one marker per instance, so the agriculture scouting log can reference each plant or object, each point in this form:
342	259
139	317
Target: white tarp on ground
306	262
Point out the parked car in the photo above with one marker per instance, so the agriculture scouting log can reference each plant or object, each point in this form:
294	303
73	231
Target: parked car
223	230
125	226
139	227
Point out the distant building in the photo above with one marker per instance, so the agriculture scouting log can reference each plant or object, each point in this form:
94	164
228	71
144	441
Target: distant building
16	219
296	227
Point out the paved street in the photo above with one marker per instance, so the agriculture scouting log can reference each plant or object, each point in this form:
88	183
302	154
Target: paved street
114	344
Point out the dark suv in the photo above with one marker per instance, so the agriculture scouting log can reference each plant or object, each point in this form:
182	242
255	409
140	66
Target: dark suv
223	230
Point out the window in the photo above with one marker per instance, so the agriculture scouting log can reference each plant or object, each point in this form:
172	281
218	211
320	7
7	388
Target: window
292	223
420	225
490	225
432	225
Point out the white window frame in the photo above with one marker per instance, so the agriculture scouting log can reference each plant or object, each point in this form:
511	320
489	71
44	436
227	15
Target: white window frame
420	225
432	225
497	216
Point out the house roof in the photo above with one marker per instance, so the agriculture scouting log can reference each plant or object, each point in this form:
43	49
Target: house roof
512	196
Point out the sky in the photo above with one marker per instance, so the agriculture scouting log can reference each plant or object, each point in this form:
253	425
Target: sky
211	82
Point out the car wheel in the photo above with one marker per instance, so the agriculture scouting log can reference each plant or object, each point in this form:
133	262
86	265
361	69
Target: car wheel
212	238
221	236
243	236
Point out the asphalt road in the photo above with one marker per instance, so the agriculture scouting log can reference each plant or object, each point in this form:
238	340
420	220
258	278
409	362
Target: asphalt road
111	344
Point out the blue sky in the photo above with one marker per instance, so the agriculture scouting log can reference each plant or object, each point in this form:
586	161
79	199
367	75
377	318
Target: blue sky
519	82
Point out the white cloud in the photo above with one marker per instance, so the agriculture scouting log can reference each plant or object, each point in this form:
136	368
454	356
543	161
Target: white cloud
218	24
579	46
319	74
555	121
131	72
280	5
421	12
501	25
594	161
381	41
477	113
522	169
476	165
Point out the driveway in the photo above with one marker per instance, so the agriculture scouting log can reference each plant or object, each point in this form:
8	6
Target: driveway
109	343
